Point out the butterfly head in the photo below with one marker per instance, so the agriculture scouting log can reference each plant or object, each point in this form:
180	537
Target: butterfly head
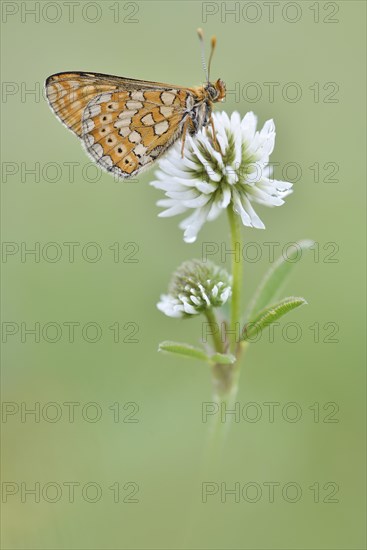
216	91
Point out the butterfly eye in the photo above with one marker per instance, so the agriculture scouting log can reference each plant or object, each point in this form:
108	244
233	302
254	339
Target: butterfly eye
212	91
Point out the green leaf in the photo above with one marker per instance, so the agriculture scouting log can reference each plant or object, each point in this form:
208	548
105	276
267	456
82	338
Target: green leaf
274	280
184	349
196	353
270	315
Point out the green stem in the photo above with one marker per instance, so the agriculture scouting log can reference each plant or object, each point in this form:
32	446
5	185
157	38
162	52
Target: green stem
225	387
225	377
212	320
236	241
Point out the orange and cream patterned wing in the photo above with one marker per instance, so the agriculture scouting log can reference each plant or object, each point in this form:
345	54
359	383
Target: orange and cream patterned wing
125	124
126	131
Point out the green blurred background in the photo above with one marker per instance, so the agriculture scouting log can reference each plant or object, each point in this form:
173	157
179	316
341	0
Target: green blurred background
163	452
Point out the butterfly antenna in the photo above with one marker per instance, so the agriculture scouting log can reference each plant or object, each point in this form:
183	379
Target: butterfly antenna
213	44
201	38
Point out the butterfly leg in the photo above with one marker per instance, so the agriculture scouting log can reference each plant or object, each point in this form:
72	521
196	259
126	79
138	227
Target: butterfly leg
216	144
184	131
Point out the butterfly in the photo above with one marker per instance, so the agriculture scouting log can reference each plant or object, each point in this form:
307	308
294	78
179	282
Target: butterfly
125	125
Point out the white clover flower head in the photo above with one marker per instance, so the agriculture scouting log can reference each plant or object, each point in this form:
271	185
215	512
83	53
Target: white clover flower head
195	287
206	181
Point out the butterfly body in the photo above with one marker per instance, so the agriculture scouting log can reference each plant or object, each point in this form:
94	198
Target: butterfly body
126	124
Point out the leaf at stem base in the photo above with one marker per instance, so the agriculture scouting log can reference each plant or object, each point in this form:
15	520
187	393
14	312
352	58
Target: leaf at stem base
187	350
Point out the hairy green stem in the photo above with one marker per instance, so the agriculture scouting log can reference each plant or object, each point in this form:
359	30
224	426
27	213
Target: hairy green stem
235	227
212	320
225	378
225	387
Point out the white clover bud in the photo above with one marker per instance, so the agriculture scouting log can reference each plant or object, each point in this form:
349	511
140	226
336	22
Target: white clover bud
195	287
